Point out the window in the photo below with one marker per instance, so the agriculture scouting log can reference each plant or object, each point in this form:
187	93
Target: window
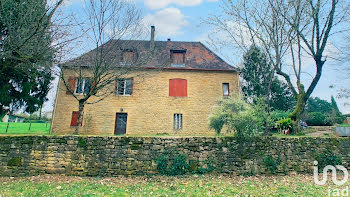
177	58
74	121
178	87
82	86
177	121
127	58
124	86
225	89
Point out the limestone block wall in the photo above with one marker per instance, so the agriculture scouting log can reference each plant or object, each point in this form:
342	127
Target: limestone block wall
109	156
150	109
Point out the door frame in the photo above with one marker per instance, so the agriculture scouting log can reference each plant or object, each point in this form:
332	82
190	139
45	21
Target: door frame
116	122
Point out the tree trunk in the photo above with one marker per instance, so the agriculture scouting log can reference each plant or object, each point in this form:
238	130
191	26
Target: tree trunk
40	111
80	117
300	106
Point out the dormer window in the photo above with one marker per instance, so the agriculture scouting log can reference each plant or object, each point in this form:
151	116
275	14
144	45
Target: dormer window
127	57
177	58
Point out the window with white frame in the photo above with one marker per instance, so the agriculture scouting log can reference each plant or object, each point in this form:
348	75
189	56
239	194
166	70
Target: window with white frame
225	89
124	86
177	121
82	85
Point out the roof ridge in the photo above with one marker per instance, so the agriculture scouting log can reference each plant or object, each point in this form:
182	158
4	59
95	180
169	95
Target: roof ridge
199	55
160	41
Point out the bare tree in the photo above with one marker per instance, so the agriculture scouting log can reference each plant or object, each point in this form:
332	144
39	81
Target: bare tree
96	72
286	30
252	23
313	22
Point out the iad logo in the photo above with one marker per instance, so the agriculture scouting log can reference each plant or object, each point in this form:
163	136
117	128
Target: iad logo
334	174
332	191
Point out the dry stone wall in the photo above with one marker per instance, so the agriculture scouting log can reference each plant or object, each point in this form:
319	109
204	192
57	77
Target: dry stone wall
110	156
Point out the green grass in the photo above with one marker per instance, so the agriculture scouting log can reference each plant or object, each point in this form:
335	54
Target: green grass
190	185
23	128
344	125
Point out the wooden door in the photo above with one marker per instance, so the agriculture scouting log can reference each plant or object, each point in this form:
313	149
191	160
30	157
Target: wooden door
120	123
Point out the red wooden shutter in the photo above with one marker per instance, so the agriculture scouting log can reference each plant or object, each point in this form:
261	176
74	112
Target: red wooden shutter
183	88
71	85
74	121
178	87
171	87
74	118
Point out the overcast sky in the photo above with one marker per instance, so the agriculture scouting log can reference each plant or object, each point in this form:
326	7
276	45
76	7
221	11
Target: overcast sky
180	20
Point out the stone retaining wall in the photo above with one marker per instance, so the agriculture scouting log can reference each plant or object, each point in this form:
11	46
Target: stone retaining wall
109	156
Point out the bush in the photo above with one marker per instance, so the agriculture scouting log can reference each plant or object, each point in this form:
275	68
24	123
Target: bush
285	124
162	164
336	119
179	166
317	119
327	158
278	115
272	164
238	116
217	121
244	124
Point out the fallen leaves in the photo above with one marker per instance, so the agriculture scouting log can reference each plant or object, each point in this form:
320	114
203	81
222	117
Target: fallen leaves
187	185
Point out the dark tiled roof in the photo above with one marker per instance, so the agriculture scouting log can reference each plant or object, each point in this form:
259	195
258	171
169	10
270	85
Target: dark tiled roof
197	57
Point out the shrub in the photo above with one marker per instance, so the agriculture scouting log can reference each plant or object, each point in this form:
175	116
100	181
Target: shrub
217	121
179	166
278	115
238	116
272	164
244	124
317	119
162	164
336	119
327	158
285	124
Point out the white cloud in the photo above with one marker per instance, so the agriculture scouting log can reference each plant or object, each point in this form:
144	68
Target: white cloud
159	4
168	21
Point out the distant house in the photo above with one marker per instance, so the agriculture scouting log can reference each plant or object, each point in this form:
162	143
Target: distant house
12	118
178	98
48	115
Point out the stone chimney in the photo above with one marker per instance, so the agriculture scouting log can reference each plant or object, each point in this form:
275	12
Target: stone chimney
152	37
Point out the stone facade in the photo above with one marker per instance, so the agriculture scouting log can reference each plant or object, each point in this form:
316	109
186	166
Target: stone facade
109	156
150	109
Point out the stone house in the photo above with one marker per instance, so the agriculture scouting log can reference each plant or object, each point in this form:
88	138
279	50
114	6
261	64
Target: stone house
12	118
173	92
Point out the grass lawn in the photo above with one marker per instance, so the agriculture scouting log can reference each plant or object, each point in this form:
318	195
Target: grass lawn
344	125
23	128
190	185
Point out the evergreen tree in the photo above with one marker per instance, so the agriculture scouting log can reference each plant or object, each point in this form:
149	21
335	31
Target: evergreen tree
327	112
259	81
337	116
26	53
